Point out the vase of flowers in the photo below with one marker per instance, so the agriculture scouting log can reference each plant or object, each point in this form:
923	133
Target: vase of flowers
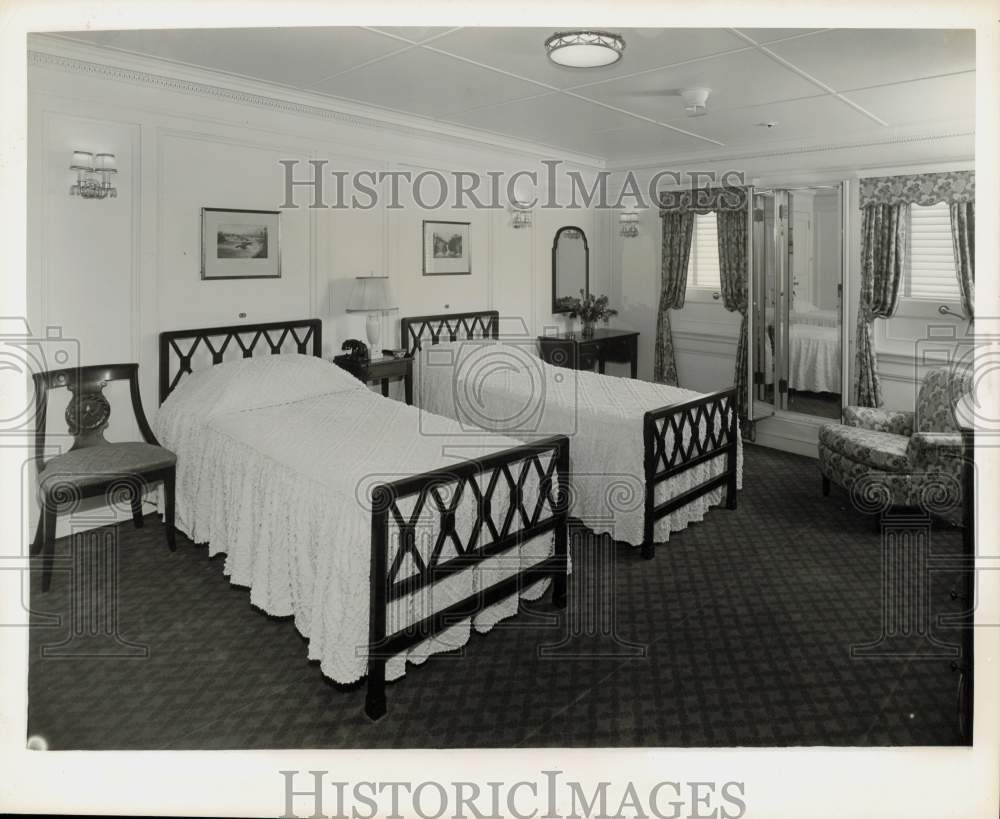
591	309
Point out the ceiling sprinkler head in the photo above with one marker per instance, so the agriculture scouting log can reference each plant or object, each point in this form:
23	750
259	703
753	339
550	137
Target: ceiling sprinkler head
768	124
695	101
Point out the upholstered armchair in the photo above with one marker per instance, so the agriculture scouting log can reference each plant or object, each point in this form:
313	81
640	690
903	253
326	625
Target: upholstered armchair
909	459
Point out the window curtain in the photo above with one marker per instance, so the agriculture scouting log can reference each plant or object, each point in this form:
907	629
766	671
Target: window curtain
885	203
678	228
733	273
883	249
963	240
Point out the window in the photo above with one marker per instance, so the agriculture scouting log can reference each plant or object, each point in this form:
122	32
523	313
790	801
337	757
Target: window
703	263
930	270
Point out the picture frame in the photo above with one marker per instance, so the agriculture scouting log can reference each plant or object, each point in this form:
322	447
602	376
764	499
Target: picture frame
240	244
447	249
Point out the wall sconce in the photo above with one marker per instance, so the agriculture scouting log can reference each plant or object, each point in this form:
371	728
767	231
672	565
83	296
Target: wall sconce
628	224
93	175
520	215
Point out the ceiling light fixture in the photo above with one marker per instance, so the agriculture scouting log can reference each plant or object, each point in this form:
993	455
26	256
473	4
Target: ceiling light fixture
696	101
584	49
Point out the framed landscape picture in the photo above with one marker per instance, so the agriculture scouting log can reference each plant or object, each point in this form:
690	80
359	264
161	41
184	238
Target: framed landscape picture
447	251
239	244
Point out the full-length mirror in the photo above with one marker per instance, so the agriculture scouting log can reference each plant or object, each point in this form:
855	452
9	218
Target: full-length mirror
798	293
570	267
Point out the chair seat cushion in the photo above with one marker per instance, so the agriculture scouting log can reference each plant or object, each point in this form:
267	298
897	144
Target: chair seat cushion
98	464
878	450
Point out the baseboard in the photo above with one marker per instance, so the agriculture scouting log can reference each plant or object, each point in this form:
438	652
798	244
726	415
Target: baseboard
800	437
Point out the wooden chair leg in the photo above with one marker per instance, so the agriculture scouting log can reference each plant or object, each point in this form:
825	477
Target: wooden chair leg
826	486
136	500
169	490
39	541
47	536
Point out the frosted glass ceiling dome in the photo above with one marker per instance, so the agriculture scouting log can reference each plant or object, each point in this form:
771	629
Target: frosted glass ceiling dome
584	49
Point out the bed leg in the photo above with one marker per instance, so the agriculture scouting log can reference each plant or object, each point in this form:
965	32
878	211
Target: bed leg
375	707
826	486
648	549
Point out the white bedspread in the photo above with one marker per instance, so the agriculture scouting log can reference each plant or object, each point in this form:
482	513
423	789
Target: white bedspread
275	457
819	318
813	358
505	387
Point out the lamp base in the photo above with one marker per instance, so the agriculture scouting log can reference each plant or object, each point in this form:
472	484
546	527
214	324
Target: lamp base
373	326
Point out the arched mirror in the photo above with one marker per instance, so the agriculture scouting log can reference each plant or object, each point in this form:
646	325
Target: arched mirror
570	267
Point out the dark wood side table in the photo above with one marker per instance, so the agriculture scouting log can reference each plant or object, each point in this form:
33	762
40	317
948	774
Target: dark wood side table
579	352
384	369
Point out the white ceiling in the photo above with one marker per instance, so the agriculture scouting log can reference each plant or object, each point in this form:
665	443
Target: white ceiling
820	85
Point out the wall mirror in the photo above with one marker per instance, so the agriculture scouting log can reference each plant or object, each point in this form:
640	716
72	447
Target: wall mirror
570	267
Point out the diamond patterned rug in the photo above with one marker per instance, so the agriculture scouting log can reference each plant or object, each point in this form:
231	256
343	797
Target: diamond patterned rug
738	633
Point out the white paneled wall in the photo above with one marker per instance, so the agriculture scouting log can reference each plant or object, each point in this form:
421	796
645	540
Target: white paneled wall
113	274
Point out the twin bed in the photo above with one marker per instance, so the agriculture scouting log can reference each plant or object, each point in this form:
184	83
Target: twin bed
389	532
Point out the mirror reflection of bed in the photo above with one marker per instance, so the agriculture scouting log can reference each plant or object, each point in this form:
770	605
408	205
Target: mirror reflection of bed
802	344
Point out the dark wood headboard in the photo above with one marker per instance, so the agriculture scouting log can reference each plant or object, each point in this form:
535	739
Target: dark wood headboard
178	347
477	324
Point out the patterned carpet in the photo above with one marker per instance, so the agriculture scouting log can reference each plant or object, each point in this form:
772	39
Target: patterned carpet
738	633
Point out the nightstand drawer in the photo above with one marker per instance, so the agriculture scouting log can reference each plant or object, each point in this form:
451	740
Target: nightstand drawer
616	350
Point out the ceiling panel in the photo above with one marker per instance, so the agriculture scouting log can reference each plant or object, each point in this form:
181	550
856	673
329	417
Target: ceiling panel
951	97
424	82
770	35
859	58
817	118
522	51
550	118
636	140
741	79
499	80
292	56
414	34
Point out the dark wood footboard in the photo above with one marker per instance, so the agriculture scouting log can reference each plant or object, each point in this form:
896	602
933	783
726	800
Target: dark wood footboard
394	538
663	458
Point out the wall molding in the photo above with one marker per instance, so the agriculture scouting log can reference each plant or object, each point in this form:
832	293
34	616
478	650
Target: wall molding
641	163
291	101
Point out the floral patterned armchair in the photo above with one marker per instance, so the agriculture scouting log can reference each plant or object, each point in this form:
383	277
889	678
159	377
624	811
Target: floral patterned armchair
908	458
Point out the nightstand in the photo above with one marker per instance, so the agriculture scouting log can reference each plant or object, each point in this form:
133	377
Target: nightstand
579	352
381	369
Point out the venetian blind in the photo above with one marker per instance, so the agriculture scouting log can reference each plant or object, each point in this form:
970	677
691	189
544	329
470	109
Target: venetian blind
703	263
931	270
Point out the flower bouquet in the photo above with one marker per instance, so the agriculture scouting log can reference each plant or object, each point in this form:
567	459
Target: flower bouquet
591	309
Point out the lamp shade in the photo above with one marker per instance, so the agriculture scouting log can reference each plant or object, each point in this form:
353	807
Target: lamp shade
370	293
82	161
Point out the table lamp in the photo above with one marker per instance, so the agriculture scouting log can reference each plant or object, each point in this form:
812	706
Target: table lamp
371	296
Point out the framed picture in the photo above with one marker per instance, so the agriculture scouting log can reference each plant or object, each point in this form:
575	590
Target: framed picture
446	249
240	244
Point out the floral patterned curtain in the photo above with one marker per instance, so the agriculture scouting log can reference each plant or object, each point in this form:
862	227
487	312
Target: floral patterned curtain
678	228
963	240
704	200
733	273
885	202
677	209
883	248
918	189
